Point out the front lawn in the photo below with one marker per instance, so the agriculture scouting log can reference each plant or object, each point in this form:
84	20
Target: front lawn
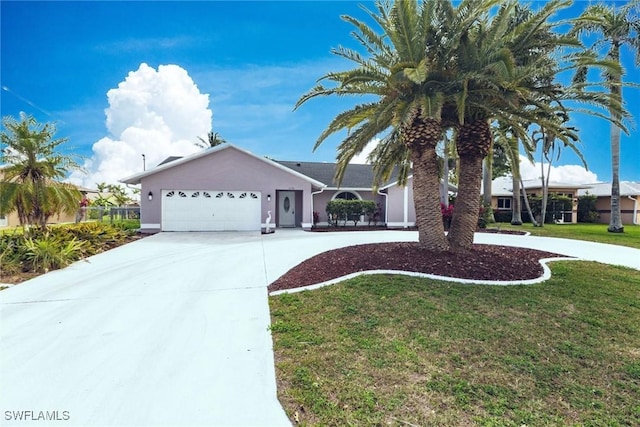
393	350
583	231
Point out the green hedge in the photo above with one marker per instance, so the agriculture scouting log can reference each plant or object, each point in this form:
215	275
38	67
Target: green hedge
340	211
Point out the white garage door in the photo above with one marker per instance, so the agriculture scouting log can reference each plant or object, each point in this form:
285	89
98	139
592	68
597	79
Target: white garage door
191	210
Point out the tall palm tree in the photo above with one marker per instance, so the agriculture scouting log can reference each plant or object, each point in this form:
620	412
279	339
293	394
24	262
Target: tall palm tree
31	180
403	70
506	70
616	28
510	144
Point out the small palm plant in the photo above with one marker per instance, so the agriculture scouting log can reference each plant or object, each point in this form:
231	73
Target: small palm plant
48	252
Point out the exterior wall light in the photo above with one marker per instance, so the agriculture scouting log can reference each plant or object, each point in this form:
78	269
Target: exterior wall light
268	197
150	195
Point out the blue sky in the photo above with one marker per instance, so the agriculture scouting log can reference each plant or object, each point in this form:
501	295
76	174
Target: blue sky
252	59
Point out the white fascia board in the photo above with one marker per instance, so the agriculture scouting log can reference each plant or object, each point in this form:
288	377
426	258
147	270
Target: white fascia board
137	178
348	189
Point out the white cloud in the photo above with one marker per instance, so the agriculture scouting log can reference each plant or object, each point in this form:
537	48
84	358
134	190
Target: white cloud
158	113
361	159
568	174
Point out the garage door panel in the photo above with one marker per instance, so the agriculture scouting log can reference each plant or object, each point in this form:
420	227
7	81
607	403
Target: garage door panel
196	210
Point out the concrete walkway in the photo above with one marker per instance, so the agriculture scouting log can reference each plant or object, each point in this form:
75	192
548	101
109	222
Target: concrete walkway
172	329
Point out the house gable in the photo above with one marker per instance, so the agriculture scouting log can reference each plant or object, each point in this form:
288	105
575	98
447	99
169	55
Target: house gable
178	162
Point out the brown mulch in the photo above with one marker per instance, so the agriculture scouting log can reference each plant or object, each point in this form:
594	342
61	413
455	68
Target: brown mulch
482	262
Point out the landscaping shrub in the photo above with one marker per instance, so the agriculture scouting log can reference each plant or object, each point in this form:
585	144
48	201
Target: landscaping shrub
336	211
11	253
502	216
447	215
555	206
50	252
44	249
485	216
587	211
349	210
372	210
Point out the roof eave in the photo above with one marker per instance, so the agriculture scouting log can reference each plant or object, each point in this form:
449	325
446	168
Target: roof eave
137	178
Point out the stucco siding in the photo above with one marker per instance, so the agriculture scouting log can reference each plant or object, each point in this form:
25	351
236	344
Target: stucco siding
401	210
231	170
627	207
320	201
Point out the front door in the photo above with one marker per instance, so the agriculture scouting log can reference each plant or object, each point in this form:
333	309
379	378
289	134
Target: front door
286	209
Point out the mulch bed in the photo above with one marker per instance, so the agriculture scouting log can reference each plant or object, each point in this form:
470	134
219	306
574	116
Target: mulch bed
482	262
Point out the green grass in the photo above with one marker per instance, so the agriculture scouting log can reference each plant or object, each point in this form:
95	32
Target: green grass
393	350
590	232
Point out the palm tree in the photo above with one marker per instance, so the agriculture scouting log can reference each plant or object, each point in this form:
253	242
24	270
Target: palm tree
213	139
505	73
404	72
510	144
30	183
616	28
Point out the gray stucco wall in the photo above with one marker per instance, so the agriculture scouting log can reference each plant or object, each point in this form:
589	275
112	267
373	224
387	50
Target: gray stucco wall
229	169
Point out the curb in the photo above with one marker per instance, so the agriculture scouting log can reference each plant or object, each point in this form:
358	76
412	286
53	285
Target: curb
546	275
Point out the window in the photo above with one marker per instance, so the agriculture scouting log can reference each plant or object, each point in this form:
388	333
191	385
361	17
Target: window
346	195
504	203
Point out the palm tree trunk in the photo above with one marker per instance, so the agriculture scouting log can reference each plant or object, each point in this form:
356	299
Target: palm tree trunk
426	199
473	144
516	204
615	223
444	192
527	205
487	182
465	212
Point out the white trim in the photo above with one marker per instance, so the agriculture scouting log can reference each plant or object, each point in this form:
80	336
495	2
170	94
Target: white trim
150	226
395	183
634	219
351	189
405	214
313	194
401	224
137	178
340	191
546	275
307	225
386	205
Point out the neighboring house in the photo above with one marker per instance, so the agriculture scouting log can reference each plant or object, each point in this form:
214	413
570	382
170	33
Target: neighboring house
629	201
502	195
229	188
11	219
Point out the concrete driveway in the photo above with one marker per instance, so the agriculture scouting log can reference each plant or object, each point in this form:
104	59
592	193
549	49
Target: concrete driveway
172	329
168	330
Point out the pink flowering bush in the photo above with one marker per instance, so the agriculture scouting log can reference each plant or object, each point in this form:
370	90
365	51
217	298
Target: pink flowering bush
447	214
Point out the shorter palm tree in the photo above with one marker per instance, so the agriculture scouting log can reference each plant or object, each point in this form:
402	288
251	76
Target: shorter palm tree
213	139
616	28
31	178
